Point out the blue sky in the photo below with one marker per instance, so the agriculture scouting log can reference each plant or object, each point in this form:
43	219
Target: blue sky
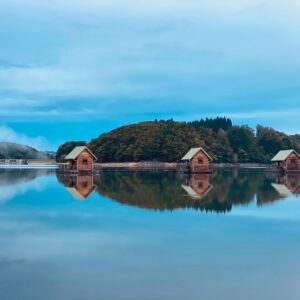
75	69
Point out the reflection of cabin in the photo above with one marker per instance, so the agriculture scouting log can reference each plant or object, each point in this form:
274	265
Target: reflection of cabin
197	186
80	159
80	187
287	161
287	185
196	160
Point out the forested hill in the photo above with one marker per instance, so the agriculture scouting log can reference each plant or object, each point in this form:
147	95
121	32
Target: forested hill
169	140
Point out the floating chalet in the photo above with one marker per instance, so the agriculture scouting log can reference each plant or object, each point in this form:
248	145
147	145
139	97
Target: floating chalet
287	161
196	160
80	160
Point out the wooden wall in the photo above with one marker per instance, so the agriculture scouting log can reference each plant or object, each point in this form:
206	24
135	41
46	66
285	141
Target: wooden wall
200	167
82	157
292	163
85	185
199	183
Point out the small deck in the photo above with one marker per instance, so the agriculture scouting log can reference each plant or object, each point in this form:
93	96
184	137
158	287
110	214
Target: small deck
287	169
186	168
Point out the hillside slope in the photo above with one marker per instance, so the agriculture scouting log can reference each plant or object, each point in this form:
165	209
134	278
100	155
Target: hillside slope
163	141
18	151
168	141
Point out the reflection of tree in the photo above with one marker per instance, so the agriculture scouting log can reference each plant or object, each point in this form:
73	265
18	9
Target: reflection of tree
168	191
217	192
152	190
16	176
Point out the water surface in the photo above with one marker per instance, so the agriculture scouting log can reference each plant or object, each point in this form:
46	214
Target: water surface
233	235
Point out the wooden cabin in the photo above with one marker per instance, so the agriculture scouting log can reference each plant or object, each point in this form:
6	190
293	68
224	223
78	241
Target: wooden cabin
81	159
197	186
287	161
197	160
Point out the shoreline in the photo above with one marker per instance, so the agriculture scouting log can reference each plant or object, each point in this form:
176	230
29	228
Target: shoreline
130	166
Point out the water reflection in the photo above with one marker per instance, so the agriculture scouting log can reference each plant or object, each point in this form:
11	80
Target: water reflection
197	185
218	192
16	182
53	247
79	186
287	185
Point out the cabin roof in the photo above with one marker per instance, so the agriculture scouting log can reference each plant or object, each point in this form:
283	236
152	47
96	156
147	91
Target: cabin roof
193	194
75	193
282	189
193	151
283	155
77	150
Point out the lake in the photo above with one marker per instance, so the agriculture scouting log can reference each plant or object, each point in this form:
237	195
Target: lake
234	234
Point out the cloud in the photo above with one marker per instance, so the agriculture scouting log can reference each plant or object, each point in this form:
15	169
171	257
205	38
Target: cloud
9	135
111	59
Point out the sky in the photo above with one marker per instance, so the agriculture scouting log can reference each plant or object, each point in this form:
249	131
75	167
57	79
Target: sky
71	70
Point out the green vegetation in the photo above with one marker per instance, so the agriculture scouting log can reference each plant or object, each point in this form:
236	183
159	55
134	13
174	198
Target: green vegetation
169	140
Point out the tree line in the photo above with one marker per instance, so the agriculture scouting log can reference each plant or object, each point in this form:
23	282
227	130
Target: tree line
169	140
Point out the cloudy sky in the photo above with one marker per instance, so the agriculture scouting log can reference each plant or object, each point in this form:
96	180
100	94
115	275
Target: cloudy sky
73	69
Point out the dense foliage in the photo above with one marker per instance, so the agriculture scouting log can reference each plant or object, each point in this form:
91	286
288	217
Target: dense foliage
160	140
169	140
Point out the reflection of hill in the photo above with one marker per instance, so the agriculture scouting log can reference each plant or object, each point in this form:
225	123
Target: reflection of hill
14	182
148	190
16	176
154	191
217	192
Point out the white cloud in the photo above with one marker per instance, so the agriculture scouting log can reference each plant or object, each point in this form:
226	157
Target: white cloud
9	135
72	59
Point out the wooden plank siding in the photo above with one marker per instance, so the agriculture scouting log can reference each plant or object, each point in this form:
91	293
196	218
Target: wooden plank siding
85	162
291	164
84	185
200	163
199	183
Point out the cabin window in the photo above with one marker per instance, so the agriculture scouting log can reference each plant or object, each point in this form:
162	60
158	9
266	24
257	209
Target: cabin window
200	184
200	161
293	161
84	184
85	162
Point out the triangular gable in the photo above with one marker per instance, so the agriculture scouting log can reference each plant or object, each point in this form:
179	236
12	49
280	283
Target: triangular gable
77	150
284	155
193	194
193	151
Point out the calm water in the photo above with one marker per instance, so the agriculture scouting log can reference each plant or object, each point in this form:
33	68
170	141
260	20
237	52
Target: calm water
232	235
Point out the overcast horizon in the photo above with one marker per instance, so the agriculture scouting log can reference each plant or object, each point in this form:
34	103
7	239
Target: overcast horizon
71	70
